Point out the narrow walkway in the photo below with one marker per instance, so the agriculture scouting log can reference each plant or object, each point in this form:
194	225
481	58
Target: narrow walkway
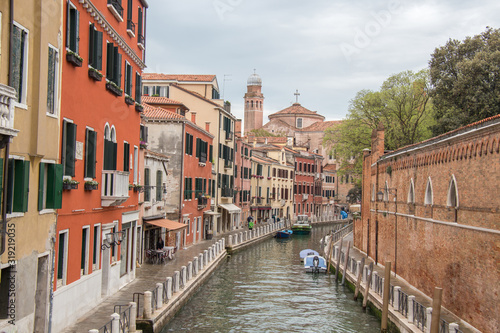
146	278
405	286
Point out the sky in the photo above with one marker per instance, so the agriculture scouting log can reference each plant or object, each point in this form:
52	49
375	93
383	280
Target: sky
328	50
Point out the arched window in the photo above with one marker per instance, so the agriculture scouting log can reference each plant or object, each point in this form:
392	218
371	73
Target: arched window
386	192
429	197
107	135
251	104
299	122
411	193
452	200
110	148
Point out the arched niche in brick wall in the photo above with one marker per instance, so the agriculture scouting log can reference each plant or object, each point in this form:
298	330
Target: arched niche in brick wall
452	198
429	195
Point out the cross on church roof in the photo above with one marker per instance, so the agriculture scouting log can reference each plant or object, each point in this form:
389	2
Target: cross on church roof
297	94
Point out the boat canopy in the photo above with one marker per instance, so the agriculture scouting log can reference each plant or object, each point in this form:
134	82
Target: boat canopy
308	252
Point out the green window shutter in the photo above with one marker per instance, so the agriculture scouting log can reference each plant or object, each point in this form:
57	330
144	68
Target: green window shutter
158	185
70	148
98	50
211	153
114	156
187	143
146	185
90	153
139	23
126	156
10	185
41	192
137	88
21	186
118	67
109	61
77	31
54	186
68	26
92	49
198	147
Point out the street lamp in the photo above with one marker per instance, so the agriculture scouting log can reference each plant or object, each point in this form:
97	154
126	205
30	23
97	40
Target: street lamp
113	238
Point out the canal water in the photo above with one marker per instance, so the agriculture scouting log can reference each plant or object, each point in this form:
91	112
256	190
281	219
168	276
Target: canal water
265	289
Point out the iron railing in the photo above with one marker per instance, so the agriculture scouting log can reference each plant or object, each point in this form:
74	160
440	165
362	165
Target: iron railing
124	317
136	297
403	303
117	4
419	315
131	26
107	328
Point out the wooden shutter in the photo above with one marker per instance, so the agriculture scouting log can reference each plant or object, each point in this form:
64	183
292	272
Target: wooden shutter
158	185
146	185
54	186
68	27
126	156
109	61
118	67
98	48
77	30
137	88
41	192
139	23
69	142
21	186
198	147
92	50
115	146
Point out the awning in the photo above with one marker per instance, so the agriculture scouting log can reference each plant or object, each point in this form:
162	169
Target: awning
209	212
167	224
230	208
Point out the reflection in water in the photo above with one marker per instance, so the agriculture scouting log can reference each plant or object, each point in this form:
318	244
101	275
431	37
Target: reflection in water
265	289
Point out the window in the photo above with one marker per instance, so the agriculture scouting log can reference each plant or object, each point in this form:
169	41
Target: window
52	80
429	198
90	153
126	156
143	133
62	258
97	246
215	94
147	189
187	222
110	149
140	37
138	82
188	186
95	48
84	266
72	26
19	58
299	122
68	148
18	186
128	79
113	64
189	144
159	182
50	186
136	164
115	6
201	150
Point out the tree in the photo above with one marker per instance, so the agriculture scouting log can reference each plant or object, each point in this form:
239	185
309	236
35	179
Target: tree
260	132
402	106
466	80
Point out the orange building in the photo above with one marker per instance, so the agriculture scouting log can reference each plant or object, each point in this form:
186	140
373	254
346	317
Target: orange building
97	227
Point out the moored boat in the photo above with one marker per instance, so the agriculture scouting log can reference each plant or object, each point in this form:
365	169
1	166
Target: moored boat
307	252
302	226
283	234
314	264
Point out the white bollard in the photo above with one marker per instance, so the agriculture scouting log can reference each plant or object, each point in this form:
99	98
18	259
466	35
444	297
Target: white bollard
195	266
115	322
189	271
365	274
159	299
429	320
453	327
147	305
202	261
223	243
176	279
358	268
184	273
132	327
93	331
169	288
205	257
246	236
374	280
410	309
230	240
397	289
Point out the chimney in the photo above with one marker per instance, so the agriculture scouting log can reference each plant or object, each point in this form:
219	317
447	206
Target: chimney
193	117
237	127
378	142
207	126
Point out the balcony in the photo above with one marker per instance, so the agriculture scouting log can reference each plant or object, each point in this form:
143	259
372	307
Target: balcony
228	164
114	187
203	159
7	99
130	28
140	41
202	202
115	7
226	192
305	197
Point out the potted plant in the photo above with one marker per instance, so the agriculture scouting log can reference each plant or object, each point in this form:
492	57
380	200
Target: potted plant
94	74
74	58
70	184
138	107
143	145
90	185
113	87
137	187
129	100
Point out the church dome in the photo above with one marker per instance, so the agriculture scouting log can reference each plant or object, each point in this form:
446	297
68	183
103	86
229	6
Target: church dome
254	80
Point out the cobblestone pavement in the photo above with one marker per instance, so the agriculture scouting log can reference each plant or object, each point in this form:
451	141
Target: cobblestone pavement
146	278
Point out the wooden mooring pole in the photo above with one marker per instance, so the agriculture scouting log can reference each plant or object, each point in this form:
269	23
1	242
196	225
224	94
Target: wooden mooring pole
346	259
338	259
385	298
436	309
330	253
360	275
367	289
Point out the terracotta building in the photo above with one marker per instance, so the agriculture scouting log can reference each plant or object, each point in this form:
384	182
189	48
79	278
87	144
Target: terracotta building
432	209
98	224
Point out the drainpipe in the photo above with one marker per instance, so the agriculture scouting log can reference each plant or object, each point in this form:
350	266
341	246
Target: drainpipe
181	196
217	176
376	215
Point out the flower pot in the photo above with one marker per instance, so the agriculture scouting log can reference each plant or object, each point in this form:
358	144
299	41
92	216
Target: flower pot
95	75
90	187
139	108
67	186
129	100
73	59
74	186
114	89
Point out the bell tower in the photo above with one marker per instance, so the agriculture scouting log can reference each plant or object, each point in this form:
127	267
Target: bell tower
254	103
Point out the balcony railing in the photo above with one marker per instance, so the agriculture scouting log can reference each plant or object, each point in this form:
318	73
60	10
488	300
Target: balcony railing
7	99
228	164
140	41
229	136
202	202
115	6
203	157
130	28
227	192
114	187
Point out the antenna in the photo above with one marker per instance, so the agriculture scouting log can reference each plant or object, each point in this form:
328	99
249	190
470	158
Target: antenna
224	84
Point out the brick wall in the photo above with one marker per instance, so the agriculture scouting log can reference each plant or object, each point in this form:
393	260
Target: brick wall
440	243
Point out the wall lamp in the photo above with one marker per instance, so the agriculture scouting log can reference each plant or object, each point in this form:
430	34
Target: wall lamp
113	238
